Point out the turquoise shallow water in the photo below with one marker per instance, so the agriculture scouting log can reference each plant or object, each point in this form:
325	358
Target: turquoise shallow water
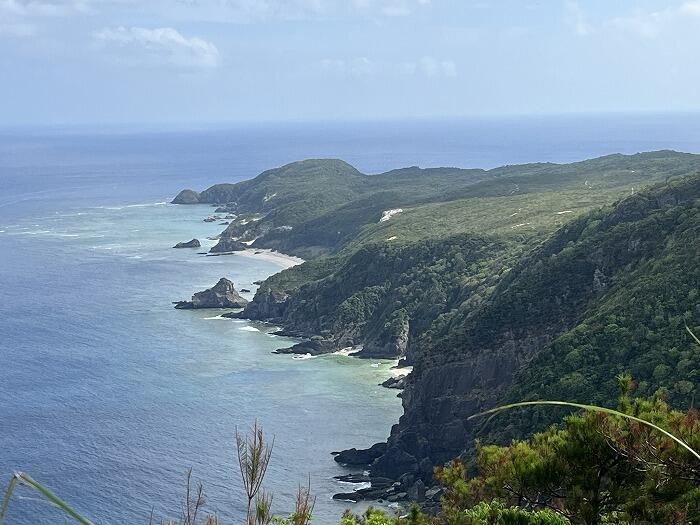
109	393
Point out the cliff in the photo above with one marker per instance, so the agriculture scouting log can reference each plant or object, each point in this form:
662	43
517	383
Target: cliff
608	293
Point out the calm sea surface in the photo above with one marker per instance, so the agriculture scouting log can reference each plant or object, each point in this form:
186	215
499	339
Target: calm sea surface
108	394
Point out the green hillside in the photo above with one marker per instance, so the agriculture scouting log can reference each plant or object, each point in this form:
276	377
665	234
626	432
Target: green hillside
521	282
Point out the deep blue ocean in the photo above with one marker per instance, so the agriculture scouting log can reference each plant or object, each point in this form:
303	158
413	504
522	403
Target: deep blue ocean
108	394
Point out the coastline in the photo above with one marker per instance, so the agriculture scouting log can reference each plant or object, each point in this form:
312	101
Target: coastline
282	259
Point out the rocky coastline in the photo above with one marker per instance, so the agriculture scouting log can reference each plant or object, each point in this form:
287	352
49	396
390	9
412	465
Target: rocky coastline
471	313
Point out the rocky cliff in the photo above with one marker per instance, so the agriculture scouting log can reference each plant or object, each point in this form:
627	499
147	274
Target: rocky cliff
577	304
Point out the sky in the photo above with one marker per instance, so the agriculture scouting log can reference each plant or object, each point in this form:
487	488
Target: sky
197	61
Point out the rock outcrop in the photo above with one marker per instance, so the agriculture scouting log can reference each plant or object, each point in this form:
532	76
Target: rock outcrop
268	305
194	243
186	197
314	346
228	245
222	295
360	457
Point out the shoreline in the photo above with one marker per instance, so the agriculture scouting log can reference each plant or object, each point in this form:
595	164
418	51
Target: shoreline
282	259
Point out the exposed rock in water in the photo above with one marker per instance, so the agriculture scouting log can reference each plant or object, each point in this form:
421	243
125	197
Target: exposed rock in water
314	346
394	382
222	295
194	243
186	197
360	457
245	290
227	244
353	478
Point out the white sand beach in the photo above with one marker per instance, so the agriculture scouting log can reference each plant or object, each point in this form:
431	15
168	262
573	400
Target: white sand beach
284	260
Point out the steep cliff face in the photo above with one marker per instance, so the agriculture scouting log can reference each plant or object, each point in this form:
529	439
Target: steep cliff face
384	296
562	324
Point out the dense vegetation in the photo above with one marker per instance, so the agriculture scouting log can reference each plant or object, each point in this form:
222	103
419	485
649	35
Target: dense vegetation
522	282
319	207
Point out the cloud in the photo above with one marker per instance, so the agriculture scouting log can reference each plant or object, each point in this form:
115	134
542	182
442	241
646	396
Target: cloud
576	17
650	24
389	8
691	8
160	46
43	7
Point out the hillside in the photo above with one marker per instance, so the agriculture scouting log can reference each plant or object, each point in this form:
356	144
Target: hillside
530	281
323	207
609	293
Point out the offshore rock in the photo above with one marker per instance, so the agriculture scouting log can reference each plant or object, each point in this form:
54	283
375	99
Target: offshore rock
194	243
222	295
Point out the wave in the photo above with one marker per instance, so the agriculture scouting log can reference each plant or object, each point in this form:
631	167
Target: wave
34	232
356	485
304	356
249	329
216	317
143	205
147	205
345	351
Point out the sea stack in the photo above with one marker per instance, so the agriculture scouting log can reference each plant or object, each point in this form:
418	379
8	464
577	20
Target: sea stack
194	243
222	295
186	197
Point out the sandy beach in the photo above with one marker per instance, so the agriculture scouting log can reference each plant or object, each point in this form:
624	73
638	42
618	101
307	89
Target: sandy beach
284	260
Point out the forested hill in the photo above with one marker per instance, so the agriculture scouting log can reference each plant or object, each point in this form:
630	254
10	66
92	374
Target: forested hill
321	207
530	281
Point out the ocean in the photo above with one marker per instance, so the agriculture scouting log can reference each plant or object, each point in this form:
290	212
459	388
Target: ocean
108	394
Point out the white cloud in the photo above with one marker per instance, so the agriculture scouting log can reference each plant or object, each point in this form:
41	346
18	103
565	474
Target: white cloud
650	24
260	10
576	17
691	8
43	7
162	46
389	8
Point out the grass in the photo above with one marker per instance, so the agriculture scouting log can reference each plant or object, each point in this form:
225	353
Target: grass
24	479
